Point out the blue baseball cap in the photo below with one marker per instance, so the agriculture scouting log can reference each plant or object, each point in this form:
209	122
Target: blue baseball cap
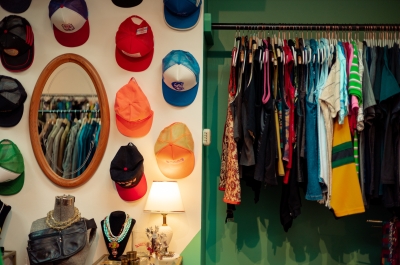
180	80
182	14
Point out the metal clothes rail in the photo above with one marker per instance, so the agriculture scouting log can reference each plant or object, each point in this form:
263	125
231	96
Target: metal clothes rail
322	27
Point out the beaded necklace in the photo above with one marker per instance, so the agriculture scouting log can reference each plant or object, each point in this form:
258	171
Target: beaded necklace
115	240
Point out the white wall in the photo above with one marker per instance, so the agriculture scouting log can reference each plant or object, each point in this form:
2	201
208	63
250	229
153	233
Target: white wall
98	197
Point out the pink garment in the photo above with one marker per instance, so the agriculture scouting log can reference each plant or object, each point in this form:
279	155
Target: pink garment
353	114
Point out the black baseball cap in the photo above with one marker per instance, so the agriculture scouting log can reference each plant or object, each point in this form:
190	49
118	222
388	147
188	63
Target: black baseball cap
127	171
12	98
15	6
16	43
127	3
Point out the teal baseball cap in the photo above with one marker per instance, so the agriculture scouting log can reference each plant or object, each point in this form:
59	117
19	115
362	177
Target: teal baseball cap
11	168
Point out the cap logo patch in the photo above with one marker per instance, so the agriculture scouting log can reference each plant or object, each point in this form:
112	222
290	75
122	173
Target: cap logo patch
178	86
141	31
11	52
177	161
68	27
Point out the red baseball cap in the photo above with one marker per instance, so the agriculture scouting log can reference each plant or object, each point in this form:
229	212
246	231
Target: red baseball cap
134	115
134	44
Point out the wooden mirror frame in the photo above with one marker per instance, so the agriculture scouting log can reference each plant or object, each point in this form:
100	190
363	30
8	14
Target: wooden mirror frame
104	114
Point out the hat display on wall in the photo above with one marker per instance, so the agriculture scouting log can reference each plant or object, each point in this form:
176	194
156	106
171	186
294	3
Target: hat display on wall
16	43
70	19
182	14
15	6
12	98
180	78
174	151
127	171
134	115
127	3
12	168
134	44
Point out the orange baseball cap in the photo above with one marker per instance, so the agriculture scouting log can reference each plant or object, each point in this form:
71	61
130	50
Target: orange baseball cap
174	151
134	115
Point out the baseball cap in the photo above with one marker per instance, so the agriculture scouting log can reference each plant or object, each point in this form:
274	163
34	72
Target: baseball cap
174	151
182	14
180	79
134	115
12	98
127	171
127	3
134	44
16	43
70	21
15	6
11	168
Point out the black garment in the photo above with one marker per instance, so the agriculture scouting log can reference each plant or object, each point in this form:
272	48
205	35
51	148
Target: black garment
247	157
290	199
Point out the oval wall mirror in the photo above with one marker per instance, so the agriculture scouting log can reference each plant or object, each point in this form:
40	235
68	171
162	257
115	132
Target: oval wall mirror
69	120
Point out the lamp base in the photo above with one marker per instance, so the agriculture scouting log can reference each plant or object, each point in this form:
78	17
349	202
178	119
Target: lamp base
167	260
167	231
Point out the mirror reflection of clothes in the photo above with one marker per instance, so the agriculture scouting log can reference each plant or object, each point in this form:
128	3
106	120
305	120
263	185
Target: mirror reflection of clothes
69	135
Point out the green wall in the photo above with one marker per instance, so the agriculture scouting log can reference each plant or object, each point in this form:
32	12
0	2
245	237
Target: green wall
256	236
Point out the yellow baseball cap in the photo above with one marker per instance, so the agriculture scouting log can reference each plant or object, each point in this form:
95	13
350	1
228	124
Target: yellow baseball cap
174	151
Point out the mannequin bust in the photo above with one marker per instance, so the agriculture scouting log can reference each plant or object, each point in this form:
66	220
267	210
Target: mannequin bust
4	210
64	209
116	222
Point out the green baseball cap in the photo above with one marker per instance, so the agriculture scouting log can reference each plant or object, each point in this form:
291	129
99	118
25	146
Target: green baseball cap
11	168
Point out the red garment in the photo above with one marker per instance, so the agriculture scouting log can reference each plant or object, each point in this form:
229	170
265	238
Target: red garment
289	98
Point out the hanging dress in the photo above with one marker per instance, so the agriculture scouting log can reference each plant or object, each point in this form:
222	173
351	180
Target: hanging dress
229	181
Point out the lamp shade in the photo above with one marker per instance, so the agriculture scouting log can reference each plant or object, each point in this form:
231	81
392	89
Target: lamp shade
164	197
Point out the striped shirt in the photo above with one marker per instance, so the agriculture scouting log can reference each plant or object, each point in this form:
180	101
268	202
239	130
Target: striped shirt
355	79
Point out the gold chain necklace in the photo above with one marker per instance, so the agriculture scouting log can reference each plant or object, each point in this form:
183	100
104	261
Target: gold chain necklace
60	225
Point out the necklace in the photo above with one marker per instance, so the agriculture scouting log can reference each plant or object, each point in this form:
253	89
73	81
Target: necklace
60	225
115	240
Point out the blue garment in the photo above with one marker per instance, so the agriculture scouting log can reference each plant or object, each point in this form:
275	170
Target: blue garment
80	141
344	98
314	192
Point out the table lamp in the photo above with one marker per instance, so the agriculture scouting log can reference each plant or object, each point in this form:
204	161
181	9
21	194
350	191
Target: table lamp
164	197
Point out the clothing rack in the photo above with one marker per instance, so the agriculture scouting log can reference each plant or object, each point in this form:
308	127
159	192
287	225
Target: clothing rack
68	95
295	27
69	111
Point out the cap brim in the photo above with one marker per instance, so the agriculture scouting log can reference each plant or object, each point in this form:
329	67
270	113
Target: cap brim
127	3
12	187
134	193
12	118
134	129
176	170
74	39
133	64
18	63
15	6
180	22
178	98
